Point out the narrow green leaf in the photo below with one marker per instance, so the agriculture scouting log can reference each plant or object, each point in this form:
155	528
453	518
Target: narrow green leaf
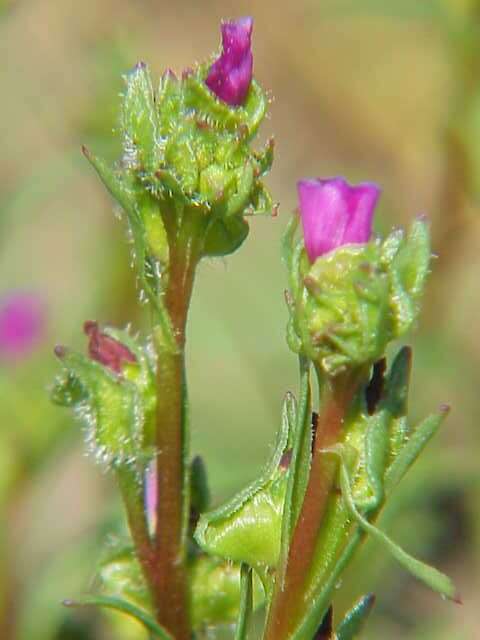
355	618
299	465
288	241
433	578
246	603
412	448
126	198
123	607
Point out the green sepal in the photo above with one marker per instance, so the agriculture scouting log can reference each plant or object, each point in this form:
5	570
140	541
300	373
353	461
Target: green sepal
264	158
248	116
68	391
354	621
225	236
344	320
125	607
215	591
139	120
119	575
408	272
248	527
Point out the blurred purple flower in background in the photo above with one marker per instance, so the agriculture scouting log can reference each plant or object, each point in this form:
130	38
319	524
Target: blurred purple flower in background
334	213
22	324
231	74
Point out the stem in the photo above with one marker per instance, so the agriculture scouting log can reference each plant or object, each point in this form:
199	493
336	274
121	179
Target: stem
169	588
286	609
137	521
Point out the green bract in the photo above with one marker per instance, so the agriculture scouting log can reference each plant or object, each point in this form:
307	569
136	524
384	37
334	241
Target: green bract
118	410
248	528
347	306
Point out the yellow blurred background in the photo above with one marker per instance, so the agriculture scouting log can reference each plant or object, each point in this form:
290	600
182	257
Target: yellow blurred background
381	90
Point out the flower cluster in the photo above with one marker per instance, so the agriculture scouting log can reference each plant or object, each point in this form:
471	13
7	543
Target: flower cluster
187	178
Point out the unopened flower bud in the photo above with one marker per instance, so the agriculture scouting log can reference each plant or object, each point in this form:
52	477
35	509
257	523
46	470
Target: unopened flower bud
231	74
106	350
350	295
334	213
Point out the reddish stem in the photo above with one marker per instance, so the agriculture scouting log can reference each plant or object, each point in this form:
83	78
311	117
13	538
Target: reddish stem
287	603
169	588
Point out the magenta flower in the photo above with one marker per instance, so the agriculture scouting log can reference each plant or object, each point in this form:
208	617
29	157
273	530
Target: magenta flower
231	74
22	324
106	350
334	213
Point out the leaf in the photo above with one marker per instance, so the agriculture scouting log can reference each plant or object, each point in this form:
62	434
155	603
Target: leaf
127	198
246	603
355	618
125	607
140	119
215	591
412	449
300	463
433	578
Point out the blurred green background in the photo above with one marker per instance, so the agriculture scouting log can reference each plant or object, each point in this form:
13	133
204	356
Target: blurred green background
382	90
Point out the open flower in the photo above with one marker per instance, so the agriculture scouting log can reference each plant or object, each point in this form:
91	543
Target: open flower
230	75
334	213
22	323
105	349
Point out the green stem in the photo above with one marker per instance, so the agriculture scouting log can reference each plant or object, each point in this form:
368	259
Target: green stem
133	500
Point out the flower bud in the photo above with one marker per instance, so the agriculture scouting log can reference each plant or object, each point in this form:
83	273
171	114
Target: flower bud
113	393
334	214
349	295
188	159
106	350
231	74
